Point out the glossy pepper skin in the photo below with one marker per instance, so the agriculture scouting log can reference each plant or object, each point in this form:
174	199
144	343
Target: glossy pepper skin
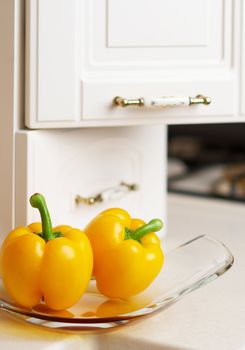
127	254
55	265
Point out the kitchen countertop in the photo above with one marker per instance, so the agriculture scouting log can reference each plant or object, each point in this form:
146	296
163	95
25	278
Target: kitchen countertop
212	317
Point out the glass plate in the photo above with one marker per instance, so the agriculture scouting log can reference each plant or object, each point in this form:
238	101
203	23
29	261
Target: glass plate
187	267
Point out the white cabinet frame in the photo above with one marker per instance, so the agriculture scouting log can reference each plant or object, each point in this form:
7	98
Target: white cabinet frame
78	59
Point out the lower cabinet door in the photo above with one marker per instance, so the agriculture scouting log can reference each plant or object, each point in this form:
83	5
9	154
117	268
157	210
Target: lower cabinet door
82	172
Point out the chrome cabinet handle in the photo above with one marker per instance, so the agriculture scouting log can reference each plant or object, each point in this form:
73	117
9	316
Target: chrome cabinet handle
108	194
164	101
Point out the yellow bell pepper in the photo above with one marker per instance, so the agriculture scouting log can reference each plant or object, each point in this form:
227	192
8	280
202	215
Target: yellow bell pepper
127	252
54	265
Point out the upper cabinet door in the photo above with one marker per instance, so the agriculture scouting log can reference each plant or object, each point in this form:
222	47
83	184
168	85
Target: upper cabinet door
156	55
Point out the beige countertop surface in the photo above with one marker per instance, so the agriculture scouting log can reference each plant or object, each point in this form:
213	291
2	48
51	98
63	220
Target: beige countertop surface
210	318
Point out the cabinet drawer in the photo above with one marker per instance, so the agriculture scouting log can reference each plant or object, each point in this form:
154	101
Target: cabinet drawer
82	54
65	164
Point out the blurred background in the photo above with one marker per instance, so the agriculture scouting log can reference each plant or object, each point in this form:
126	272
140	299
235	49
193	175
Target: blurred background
207	160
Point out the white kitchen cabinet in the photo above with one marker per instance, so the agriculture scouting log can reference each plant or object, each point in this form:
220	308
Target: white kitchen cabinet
81	54
62	164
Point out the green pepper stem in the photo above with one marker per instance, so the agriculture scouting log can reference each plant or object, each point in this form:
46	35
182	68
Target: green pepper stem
153	226
37	200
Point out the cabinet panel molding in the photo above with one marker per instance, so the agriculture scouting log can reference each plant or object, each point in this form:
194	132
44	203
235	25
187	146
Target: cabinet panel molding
163	32
150	23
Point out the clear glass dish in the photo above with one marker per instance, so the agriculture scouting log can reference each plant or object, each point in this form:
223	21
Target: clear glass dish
187	267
